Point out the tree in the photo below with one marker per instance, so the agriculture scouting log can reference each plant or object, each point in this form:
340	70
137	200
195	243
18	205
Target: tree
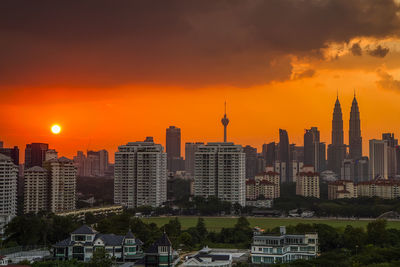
186	239
100	258
201	228
376	232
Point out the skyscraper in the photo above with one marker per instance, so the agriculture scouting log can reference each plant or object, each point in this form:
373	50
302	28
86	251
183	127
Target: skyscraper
337	125
140	175
271	154
378	159
13	153
284	153
220	171
314	150
355	139
336	150
190	150
173	148
225	122
8	191
251	161
35	154
391	150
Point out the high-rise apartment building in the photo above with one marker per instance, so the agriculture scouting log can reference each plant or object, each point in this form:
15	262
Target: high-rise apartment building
8	190
190	150
220	171
378	159
36	190
307	182
62	185
337	149
251	161
355	139
173	149
35	154
140	175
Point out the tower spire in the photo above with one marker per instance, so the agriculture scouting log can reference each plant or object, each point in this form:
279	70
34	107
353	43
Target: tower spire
225	122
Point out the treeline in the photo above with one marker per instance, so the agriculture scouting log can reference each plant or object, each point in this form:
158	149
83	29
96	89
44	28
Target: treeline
374	245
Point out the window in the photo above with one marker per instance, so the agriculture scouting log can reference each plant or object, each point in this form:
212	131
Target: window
79	237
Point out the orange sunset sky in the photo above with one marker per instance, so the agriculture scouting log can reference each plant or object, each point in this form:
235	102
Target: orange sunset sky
110	75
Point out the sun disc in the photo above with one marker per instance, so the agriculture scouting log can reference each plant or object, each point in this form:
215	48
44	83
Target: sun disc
55	129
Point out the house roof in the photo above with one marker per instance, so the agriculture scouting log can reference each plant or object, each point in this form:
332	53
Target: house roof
129	235
162	242
84	230
111	239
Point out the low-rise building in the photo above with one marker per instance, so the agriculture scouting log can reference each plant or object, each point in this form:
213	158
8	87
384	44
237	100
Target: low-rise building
84	241
307	182
205	257
383	188
342	189
269	249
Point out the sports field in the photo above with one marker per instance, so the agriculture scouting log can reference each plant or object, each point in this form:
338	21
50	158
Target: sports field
217	223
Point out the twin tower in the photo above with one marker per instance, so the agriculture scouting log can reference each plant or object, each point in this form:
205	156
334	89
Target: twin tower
337	151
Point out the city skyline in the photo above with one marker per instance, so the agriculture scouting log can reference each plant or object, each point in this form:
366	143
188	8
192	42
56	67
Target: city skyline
217	135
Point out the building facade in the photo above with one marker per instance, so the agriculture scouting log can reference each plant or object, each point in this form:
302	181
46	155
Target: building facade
140	175
265	184
8	191
383	188
307	183
270	249
35	154
62	177
220	171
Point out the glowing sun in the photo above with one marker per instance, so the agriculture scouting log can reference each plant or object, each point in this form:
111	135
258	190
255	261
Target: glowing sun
55	129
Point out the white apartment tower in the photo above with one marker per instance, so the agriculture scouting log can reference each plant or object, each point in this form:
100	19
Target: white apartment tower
8	190
62	175
220	171
140	175
378	155
36	190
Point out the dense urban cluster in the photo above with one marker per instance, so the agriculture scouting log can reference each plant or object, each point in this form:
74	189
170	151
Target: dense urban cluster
217	178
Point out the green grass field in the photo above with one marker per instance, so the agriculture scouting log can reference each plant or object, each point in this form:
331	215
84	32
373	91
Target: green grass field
217	223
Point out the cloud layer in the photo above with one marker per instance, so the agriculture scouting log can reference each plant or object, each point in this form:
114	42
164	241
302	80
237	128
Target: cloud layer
187	43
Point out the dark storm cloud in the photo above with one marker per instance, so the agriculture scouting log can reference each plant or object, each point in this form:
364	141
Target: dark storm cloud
379	51
304	74
356	49
194	43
